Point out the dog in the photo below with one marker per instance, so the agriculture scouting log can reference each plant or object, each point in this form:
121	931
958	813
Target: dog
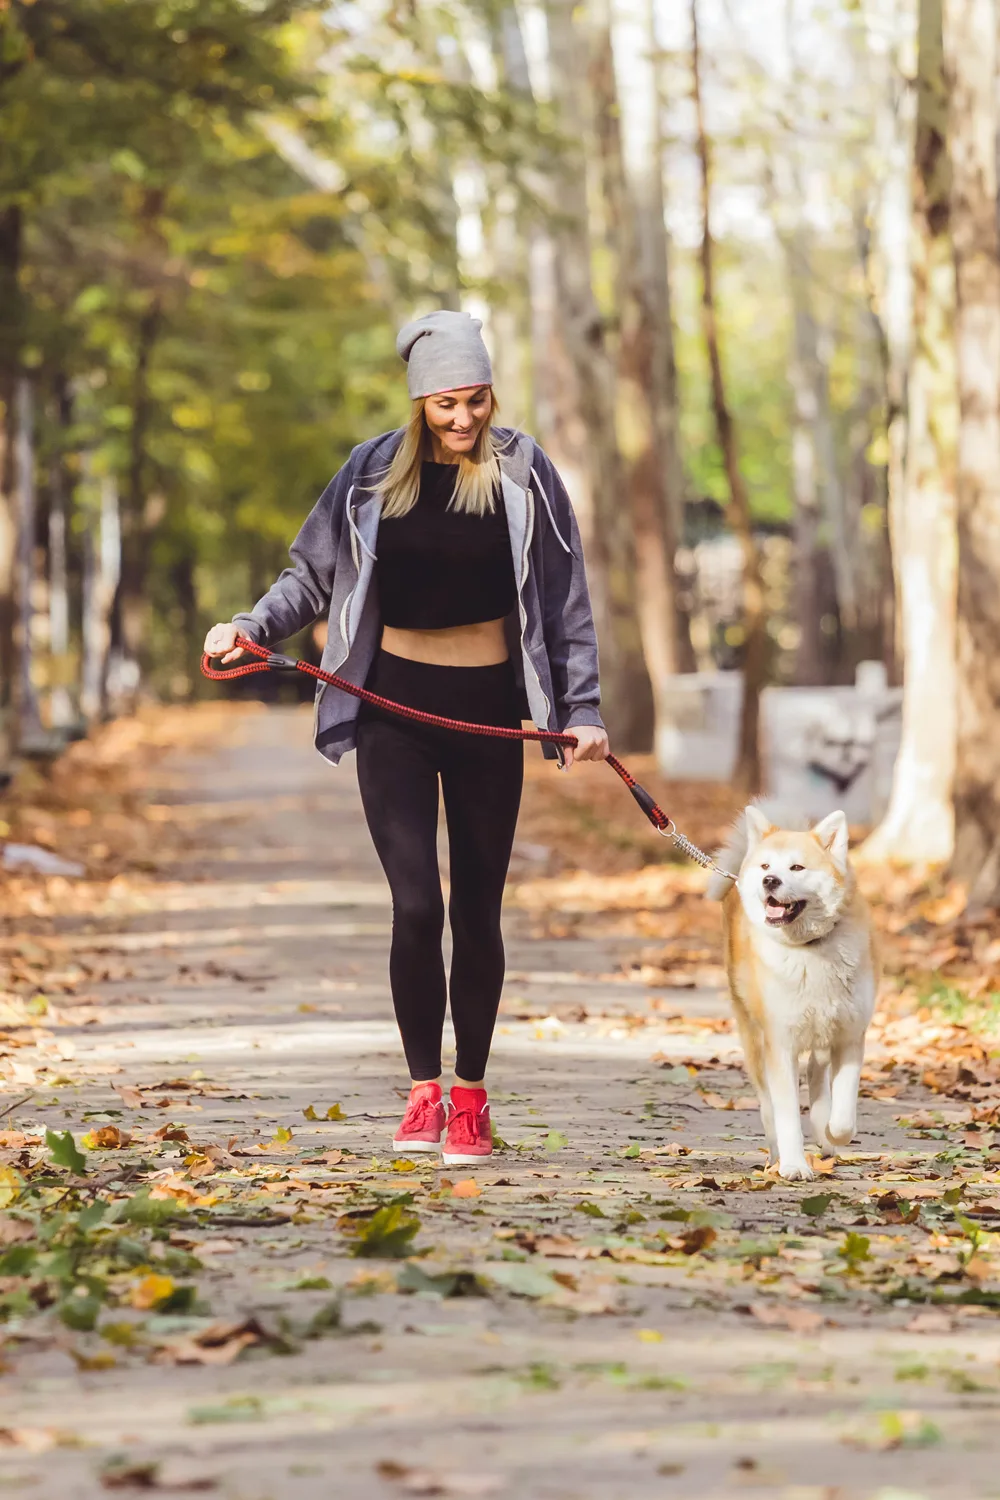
803	970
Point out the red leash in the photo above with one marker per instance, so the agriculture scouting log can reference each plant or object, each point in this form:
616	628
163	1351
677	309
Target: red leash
271	661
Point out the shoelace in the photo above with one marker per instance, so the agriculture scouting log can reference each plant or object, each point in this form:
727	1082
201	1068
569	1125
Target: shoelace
420	1113
468	1127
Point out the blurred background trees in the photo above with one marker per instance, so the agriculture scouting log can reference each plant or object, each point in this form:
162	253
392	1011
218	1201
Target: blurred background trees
747	296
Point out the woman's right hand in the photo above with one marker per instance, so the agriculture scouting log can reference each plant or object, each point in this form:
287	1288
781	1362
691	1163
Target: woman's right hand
221	641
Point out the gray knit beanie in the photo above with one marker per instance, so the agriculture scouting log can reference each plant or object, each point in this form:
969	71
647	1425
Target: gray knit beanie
444	351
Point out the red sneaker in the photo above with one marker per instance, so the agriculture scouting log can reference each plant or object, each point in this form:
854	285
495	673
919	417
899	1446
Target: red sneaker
470	1139
423	1123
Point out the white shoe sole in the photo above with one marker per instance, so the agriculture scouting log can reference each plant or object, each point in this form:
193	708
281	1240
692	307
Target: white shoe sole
465	1161
409	1146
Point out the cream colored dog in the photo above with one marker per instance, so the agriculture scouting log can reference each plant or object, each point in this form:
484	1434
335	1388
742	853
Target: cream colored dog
803	973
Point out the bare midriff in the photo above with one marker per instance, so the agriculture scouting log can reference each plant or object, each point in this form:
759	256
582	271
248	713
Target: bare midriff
480	645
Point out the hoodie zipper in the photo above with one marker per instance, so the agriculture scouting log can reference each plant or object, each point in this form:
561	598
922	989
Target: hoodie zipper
357	569
522	612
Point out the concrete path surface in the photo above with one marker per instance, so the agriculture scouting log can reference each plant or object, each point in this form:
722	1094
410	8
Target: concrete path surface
620	1305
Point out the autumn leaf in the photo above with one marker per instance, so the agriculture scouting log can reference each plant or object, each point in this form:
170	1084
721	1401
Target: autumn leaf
797	1319
387	1234
716	1101
817	1205
105	1138
151	1291
468	1187
335	1112
555	1141
199	1165
65	1152
219	1344
694	1240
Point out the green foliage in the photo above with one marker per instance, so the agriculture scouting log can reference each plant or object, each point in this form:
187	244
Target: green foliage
387	1234
221	210
65	1152
855	1250
816	1206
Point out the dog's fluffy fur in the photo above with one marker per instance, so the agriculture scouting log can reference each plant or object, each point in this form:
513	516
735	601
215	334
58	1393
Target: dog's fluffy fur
803	972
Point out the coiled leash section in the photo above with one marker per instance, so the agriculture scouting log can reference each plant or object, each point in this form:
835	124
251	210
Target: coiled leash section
273	661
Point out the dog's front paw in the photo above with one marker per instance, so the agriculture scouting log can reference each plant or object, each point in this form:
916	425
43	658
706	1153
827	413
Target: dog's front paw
795	1170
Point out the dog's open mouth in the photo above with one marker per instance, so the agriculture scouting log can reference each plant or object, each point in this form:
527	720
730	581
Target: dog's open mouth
780	913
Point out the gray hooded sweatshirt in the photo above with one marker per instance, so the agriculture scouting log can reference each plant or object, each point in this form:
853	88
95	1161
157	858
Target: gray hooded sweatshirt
550	633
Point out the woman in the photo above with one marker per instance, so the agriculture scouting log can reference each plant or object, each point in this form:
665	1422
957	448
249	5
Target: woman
447	559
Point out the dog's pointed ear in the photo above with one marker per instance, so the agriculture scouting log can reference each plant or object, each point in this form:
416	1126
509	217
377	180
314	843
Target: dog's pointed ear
832	834
758	827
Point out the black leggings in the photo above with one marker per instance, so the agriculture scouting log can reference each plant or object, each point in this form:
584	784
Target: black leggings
399	763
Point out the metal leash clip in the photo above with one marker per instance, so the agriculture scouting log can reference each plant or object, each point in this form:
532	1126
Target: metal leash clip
684	844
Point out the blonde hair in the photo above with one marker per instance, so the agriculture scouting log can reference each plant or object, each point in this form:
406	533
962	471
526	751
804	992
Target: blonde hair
477	474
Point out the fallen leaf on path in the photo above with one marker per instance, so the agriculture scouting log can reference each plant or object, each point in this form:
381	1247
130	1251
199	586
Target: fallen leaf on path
432	1482
946	908
173	1185
65	1152
797	1319
930	1322
31	1439
691	1241
170	1133
199	1164
150	1474
106	1138
219	1344
16	1140
823	1166
468	1187
16	1231
130	1097
334	1112
151	1291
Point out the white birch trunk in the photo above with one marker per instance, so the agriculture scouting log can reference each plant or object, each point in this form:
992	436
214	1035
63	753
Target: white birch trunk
918	826
101	571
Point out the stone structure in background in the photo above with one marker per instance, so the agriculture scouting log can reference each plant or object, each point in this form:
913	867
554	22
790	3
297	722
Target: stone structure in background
823	747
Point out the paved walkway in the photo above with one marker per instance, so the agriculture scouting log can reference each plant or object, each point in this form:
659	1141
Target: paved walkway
248	984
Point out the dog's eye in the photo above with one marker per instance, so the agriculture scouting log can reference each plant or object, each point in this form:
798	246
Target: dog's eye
765	867
796	867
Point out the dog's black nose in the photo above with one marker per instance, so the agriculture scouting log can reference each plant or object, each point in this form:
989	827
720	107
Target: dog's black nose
771	882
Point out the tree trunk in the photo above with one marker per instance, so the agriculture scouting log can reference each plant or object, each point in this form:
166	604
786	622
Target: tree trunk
971	43
748	764
636	422
918	825
60	509
641	111
130	617
806	593
627	701
101	572
29	723
10	358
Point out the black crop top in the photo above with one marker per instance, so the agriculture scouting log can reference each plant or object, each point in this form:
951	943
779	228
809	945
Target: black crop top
439	567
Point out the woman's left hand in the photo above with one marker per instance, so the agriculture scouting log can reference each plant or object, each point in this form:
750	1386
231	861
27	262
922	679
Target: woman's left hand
592	744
